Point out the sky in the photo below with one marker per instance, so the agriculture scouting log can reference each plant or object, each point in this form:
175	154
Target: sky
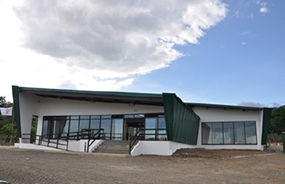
206	51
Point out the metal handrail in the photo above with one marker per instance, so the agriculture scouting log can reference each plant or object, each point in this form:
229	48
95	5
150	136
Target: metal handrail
134	139
94	137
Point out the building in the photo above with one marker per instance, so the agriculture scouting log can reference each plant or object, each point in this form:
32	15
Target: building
154	123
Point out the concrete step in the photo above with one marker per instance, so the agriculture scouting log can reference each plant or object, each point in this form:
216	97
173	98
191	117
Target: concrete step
112	146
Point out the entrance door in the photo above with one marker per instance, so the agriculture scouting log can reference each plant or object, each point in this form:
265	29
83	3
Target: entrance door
132	125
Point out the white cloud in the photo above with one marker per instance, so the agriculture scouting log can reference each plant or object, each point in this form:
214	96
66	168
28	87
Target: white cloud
252	104
263	10
256	104
276	104
96	45
263	6
244	43
124	37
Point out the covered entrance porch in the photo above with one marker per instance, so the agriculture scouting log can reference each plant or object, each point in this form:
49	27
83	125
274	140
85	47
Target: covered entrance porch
112	127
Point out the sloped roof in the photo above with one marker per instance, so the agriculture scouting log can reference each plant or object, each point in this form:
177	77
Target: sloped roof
223	106
96	96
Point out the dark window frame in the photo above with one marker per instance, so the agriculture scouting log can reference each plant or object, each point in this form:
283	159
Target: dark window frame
234	132
69	118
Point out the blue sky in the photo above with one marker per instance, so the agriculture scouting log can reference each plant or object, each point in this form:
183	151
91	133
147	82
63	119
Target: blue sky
207	51
239	61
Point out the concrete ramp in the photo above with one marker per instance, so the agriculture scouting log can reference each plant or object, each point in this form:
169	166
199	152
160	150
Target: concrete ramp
34	146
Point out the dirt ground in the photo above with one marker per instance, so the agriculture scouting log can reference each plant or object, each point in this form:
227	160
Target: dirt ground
186	166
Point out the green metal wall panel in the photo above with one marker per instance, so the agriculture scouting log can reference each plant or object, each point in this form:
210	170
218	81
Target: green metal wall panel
182	124
16	102
265	124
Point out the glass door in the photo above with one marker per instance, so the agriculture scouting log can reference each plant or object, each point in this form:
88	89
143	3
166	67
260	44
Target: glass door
132	125
117	129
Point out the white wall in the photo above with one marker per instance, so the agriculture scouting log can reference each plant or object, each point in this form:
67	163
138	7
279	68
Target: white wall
29	106
51	107
78	146
165	148
227	115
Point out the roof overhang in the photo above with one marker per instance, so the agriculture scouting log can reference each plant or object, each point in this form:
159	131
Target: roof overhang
96	96
192	105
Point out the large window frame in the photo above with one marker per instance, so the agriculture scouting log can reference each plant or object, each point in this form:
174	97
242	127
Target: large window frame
75	123
229	133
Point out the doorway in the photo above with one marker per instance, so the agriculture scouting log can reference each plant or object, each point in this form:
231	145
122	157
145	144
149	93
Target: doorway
132	125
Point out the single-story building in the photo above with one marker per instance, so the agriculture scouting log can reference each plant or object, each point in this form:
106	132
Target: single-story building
154	123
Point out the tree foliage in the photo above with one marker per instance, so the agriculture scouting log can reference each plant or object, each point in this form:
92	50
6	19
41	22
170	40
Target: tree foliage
8	132
277	122
7	127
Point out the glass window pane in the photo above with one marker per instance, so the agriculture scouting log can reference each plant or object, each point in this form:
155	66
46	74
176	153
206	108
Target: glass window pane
45	128
106	125
95	124
128	116
228	133
162	135
56	128
73	127
84	124
250	131
84	117
106	116
161	123
95	117
150	126
150	123
139	115
239	133
150	134
217	133
74	117
117	129
207	137
65	128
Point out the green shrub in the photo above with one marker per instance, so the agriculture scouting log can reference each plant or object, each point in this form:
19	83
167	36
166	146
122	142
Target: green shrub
274	137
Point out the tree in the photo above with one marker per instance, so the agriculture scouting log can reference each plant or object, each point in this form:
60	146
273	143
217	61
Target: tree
8	132
7	127
4	103
5	119
277	122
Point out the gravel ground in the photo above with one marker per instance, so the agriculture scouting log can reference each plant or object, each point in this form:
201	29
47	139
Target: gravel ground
30	166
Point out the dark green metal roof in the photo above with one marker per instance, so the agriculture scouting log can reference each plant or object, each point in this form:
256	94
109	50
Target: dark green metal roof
223	106
96	96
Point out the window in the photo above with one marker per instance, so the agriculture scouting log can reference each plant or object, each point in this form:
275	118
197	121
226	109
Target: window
115	126
95	124
56	126
207	133
161	128
229	133
117	129
106	125
239	133
84	124
150	127
217	133
250	133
